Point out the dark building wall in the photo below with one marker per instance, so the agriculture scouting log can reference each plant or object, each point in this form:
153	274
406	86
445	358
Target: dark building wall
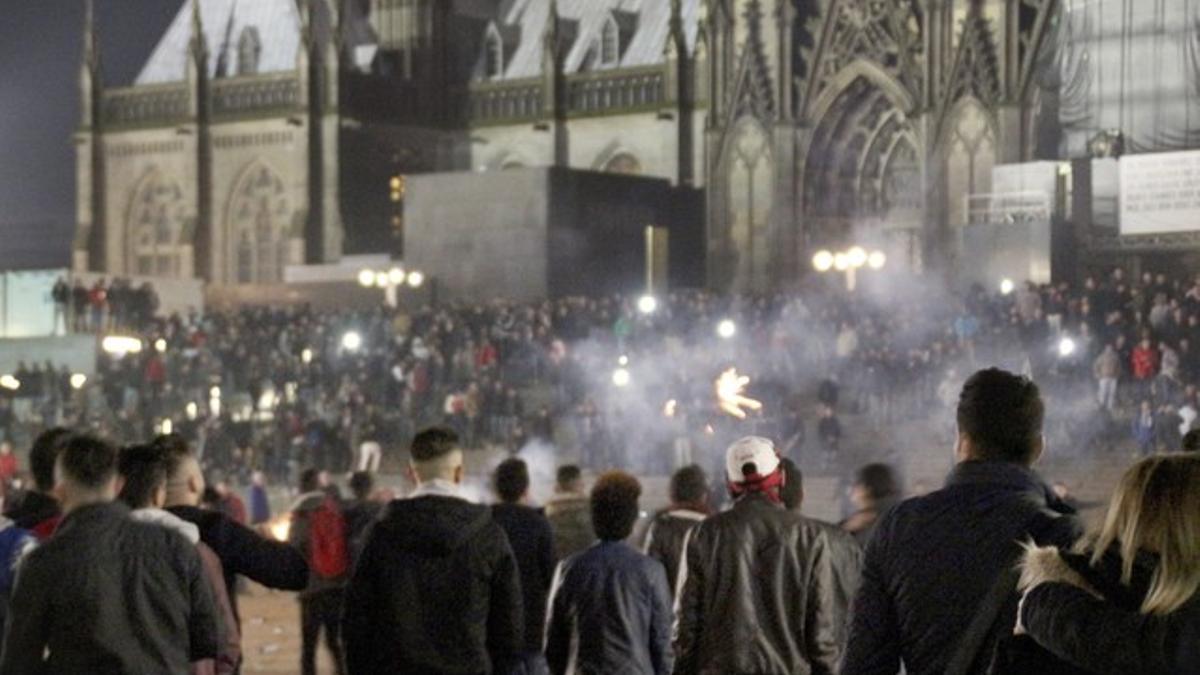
532	233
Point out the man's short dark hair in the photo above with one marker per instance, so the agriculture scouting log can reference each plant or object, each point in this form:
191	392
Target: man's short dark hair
44	454
88	461
174	449
877	480
144	470
1191	441
511	480
1002	414
689	485
791	493
433	443
615	505
567	476
361	484
310	480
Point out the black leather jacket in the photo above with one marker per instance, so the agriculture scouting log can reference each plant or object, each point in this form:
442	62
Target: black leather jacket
757	595
436	590
610	614
665	538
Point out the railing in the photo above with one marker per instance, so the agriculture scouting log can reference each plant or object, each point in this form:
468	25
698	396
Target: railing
145	105
252	95
509	101
592	93
1008	208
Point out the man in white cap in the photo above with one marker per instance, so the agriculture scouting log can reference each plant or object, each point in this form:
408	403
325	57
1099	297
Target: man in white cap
756	590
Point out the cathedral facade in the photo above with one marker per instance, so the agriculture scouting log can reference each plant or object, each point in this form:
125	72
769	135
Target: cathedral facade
266	133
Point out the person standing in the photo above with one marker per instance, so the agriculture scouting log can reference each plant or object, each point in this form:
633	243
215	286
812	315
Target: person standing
669	528
107	594
436	588
532	542
318	531
273	564
935	561
756	587
610	606
569	513
260	503
1107	369
361	511
37	510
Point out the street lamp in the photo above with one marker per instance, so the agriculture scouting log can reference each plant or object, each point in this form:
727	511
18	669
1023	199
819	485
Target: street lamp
727	329
391	281
351	341
849	262
1007	286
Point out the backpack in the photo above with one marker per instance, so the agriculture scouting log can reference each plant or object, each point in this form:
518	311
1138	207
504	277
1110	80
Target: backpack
328	554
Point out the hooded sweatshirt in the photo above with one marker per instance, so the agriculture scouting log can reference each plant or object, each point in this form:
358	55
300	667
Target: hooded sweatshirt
436	590
229	647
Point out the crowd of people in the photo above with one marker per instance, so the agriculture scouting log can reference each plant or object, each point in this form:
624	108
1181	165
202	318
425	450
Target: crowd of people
117	561
278	389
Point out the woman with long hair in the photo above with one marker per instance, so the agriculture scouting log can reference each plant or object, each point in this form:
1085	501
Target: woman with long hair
1127	600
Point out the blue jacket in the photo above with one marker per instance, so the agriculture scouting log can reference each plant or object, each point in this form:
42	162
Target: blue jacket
610	613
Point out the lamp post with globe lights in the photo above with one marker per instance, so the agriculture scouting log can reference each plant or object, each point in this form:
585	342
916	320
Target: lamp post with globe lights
849	262
391	281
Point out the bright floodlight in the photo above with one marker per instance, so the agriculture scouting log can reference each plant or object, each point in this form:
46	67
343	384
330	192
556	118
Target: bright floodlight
841	262
621	377
727	329
366	278
822	261
876	260
306	355
415	279
857	256
623	360
1006	286
9	382
78	380
1066	347
160	345
396	276
382	280
166	427
351	341
647	304
120	345
192	410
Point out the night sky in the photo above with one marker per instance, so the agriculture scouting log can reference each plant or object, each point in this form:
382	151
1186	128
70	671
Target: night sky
40	45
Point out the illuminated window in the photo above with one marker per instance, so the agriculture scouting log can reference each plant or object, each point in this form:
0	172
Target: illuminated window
397	186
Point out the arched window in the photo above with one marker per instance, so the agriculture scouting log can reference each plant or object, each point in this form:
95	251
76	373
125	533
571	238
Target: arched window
249	49
155	227
610	43
493	54
258	218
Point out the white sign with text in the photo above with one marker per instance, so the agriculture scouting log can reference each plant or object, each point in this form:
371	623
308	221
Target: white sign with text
1160	193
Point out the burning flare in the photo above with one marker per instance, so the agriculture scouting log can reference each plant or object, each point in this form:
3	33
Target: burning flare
730	387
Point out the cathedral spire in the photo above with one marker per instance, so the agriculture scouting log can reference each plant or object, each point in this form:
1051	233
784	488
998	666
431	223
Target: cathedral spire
91	39
198	44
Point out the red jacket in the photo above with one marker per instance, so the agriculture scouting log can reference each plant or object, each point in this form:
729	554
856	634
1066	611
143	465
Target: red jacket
1145	363
8	467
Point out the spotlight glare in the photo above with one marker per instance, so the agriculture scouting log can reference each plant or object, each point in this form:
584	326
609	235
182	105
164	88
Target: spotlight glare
9	382
119	345
382	280
306	355
822	261
366	278
876	260
160	345
351	341
647	304
415	279
857	256
1007	286
727	329
841	262
1066	347
396	276
78	380
620	377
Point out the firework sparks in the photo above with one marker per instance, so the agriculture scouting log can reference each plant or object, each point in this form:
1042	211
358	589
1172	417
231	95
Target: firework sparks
731	397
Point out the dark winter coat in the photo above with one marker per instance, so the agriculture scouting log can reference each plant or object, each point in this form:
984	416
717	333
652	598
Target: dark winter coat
610	612
933	560
436	590
533	545
106	595
1112	636
665	538
570	517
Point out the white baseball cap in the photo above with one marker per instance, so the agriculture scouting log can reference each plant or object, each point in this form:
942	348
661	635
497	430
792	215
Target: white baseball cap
754	450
